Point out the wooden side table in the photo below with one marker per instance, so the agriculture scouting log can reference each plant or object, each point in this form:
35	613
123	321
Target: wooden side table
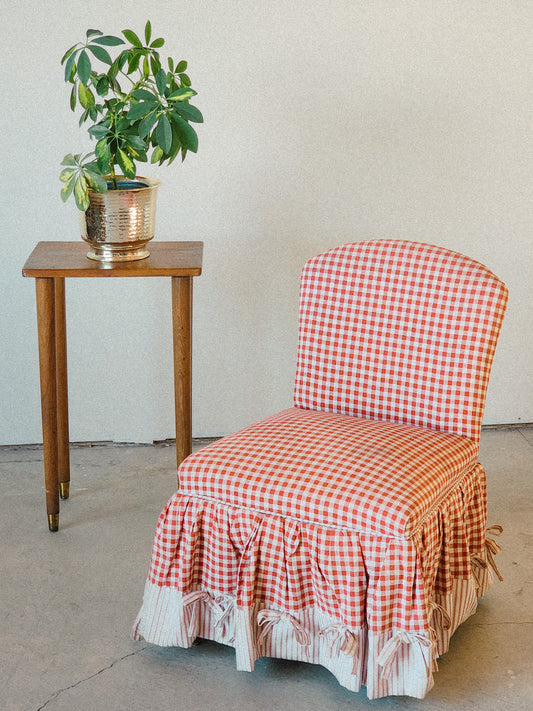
50	263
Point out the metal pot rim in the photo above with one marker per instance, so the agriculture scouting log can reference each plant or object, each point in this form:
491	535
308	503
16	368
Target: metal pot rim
149	183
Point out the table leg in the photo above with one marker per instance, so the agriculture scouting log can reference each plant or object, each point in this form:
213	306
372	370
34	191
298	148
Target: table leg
182	337
63	454
46	327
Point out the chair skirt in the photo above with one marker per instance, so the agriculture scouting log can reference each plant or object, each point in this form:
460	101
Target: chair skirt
376	610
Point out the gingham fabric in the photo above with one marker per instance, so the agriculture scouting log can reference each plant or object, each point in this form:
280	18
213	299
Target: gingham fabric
398	331
217	570
336	470
349	530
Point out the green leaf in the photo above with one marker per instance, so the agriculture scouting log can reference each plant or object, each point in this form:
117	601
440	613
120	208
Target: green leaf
66	174
93	33
157	155
81	195
155	64
103	156
133	153
187	134
147	32
157	43
137	154
133	62
84	67
109	40
69	159
126	163
188	112
100	53
95	180
182	94
161	81
68	187
68	53
146	68
181	67
115	85
102	85
132	38
93	166
85	96
147	124
122	124
122	59
144	94
99	130
135	142
73	95
69	66
138	111
164	133
176	144
185	81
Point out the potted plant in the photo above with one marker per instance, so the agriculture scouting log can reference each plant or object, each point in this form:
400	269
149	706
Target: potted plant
139	110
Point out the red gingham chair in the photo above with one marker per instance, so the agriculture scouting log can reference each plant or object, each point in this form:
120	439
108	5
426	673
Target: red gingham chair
349	530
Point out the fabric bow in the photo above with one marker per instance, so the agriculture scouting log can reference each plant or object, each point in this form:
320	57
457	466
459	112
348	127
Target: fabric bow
492	548
270	618
222	606
389	653
436	610
340	640
190	599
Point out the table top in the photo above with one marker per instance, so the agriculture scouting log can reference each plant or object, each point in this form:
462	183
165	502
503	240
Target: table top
69	259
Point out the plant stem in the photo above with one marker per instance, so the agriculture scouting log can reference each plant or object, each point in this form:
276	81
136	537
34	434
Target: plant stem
114	177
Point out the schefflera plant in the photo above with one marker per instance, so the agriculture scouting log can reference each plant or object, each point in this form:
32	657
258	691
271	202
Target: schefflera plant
137	108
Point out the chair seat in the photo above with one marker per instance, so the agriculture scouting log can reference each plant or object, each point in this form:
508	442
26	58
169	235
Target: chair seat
335	470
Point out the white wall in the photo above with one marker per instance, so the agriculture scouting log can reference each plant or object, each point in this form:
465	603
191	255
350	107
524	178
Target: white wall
327	121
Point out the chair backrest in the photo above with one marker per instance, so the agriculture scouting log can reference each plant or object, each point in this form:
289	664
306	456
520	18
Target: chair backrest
398	331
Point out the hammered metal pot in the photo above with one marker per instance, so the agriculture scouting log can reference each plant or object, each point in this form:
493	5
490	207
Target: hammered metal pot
119	224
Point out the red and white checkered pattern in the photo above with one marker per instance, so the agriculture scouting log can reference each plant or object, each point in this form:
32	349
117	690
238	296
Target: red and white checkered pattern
398	331
361	579
335	470
340	531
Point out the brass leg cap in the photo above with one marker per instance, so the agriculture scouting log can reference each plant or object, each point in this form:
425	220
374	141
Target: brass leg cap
53	522
64	489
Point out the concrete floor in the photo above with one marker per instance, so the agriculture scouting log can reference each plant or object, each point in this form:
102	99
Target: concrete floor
68	600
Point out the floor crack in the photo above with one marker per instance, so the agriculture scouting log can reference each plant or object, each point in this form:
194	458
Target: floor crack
526	438
91	676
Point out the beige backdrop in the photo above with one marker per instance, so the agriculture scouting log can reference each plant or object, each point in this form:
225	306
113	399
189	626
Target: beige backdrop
326	121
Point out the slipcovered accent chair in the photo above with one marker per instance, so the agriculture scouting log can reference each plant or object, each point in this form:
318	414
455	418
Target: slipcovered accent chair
350	529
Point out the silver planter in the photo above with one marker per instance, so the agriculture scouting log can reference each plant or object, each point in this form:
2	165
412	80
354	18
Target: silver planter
118	224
